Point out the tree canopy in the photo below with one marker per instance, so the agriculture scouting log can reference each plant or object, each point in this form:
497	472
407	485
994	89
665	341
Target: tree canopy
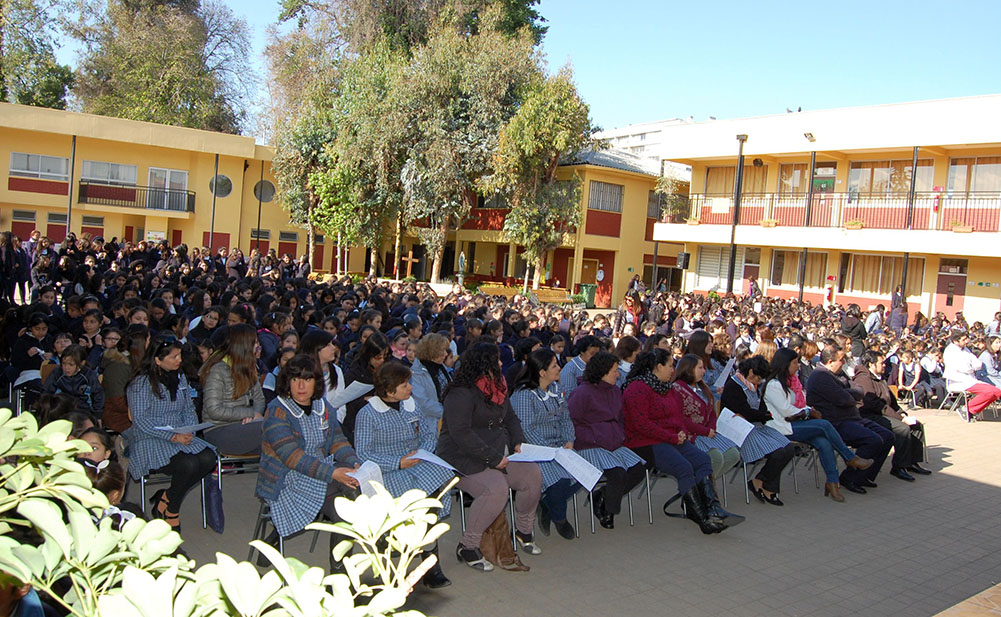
29	72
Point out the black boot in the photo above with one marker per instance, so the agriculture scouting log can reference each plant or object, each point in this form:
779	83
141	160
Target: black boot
605	519
434	578
713	507
695	511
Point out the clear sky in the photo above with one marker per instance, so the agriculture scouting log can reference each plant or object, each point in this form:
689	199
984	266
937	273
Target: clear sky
644	60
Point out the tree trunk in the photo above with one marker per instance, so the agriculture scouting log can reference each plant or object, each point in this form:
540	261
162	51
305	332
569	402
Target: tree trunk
439	252
396	247
540	268
373	257
338	259
310	238
528	270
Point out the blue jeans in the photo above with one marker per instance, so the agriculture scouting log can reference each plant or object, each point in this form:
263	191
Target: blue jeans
686	463
822	435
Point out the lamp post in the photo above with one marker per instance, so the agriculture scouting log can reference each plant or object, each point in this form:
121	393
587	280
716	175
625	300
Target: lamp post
737	189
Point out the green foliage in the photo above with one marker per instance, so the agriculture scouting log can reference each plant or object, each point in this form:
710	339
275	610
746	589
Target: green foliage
674	204
551	124
135	571
29	73
578	299
164	62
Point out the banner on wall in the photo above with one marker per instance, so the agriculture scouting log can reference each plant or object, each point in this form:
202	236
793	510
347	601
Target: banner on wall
155	236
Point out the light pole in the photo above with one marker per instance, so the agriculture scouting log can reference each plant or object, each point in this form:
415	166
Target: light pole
737	189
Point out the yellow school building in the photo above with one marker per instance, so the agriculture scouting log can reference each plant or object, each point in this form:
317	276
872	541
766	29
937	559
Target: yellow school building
845	205
132	180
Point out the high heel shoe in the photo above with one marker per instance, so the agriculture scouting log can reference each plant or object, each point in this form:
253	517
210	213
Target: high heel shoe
857	462
155	501
833	490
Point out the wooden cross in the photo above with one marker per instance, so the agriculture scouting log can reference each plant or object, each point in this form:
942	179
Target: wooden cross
411	260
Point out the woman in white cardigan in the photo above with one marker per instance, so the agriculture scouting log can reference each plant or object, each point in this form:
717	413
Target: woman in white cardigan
786	403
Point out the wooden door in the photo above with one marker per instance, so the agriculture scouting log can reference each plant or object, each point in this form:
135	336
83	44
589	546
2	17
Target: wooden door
589	271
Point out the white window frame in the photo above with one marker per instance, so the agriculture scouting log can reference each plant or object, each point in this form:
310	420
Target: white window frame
23	216
92	221
603	199
90	177
39	174
153	197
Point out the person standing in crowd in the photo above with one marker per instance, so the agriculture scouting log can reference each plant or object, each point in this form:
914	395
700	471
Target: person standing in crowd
159	397
478	424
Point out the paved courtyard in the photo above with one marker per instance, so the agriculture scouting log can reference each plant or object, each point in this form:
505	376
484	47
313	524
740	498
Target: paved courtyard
903	549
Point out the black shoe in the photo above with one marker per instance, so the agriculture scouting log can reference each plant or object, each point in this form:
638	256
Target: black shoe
565	529
473	558
435	578
774	500
867	483
695	510
271	540
902	474
543	518
605	519
757	492
918	469
853	488
713	507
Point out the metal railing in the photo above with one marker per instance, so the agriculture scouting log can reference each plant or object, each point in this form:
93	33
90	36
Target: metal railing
145	197
931	210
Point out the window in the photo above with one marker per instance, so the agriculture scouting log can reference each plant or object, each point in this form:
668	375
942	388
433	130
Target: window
56	218
786	264
953	266
260	234
26	216
889	176
794	178
92	221
653	202
318	239
172	185
752	256
493	202
220	186
288	236
980	174
719	180
879	274
264	191
713	267
39	166
109	173
605	196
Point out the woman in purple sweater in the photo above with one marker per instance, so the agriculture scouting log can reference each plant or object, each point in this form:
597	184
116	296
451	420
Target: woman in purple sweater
599	426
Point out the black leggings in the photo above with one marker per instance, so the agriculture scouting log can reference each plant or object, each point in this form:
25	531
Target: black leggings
185	471
618	482
771	473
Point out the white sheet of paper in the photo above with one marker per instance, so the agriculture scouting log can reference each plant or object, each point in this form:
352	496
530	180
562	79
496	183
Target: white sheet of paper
531	453
184	430
431	457
366	474
578	467
721	380
757	307
353	390
910	420
733	427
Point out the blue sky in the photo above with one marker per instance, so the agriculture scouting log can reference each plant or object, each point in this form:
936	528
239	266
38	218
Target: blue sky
644	60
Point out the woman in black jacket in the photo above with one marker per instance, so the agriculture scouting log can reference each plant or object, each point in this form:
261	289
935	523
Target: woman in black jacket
740	395
478	424
371	355
852	326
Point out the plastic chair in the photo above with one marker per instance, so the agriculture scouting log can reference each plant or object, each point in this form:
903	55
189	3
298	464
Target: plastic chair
747	475
157	478
260	530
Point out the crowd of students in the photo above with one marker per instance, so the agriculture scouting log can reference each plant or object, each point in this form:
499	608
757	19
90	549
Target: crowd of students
128	342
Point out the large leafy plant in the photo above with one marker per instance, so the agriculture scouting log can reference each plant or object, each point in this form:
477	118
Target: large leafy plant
50	540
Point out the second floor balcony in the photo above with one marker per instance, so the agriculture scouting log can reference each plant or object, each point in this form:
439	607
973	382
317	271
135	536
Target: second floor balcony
933	210
143	197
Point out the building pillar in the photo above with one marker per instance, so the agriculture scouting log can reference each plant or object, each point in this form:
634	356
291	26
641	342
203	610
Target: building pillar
512	260
578	258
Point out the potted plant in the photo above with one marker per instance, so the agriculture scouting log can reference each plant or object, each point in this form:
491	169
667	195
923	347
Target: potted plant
692	221
854	224
769	222
960	227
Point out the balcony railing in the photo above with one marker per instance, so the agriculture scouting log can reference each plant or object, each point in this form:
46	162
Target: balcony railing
145	197
930	211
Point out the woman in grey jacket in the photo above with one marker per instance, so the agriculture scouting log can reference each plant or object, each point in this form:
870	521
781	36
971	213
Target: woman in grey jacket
430	375
233	399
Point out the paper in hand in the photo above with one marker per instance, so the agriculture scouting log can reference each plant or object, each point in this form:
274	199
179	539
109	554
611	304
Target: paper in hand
184	430
578	467
368	473
531	453
733	427
721	380
355	389
430	457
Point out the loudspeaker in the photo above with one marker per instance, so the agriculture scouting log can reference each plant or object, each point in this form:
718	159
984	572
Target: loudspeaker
683	259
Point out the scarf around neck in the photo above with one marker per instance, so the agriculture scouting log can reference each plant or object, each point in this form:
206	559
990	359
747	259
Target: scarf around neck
647	377
494	390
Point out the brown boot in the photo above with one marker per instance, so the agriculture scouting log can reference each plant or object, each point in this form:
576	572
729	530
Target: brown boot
833	489
859	463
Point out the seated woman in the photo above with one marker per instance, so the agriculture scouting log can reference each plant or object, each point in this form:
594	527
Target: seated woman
389	431
233	399
305	459
542	413
740	395
159	396
655	430
477	425
697	406
786	403
430	376
371	355
626	351
596	410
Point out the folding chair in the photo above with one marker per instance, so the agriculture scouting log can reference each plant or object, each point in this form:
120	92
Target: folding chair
747	475
806	451
159	478
590	504
245	463
261	528
953	396
510	503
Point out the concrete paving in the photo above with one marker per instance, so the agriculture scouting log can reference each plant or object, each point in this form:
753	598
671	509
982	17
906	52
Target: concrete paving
903	549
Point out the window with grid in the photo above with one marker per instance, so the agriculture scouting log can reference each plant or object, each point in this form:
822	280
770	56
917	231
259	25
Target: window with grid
56	218
260	234
785	269
605	196
288	236
92	221
889	176
880	274
109	173
975	174
25	216
39	166
653	205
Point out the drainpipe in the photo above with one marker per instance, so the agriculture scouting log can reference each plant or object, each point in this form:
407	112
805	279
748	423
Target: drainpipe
215	189
69	190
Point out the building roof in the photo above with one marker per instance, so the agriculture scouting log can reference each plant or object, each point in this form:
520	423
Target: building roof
615	159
